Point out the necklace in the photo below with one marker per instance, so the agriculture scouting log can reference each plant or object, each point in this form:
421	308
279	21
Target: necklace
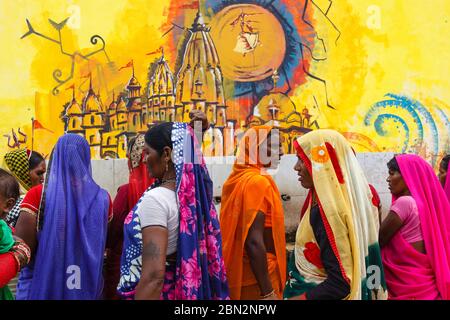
168	180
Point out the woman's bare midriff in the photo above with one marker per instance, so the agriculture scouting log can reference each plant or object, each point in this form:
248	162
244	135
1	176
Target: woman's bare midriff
419	246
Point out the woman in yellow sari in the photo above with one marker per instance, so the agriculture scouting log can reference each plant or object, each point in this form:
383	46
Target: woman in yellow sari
336	255
252	220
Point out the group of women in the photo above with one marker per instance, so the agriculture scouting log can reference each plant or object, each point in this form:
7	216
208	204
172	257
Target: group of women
162	237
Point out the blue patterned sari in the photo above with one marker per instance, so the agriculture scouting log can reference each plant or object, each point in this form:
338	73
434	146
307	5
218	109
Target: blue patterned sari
199	272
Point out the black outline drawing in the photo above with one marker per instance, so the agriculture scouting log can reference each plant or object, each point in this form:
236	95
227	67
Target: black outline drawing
57	73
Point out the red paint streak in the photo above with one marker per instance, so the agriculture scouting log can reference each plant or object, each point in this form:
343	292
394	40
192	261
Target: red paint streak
335	162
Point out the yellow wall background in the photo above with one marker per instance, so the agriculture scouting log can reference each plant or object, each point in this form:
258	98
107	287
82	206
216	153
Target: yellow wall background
386	46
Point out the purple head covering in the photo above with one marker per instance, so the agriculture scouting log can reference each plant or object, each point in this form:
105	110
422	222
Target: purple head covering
73	217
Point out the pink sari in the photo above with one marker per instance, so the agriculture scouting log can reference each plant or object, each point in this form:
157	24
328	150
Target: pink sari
409	273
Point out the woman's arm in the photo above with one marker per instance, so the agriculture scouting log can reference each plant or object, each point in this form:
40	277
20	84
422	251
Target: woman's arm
27	222
13	261
26	229
389	228
154	239
256	252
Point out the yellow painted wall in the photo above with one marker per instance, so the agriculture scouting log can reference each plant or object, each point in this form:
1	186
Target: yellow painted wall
374	48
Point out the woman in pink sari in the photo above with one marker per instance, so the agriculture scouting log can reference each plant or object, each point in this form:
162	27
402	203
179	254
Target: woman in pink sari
415	235
444	178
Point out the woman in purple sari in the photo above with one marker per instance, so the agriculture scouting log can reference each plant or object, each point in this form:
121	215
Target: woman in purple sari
173	245
64	222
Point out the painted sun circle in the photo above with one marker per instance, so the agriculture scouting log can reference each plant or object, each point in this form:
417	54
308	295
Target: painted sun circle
249	40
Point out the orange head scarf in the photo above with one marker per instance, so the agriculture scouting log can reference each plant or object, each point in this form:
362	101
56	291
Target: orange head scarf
242	195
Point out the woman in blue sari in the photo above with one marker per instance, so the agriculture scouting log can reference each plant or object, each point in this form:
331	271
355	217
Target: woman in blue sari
173	245
64	222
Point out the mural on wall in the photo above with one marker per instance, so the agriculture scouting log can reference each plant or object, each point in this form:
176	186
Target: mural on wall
109	70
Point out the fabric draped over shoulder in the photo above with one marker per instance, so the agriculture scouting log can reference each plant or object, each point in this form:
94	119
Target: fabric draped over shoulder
429	279
242	197
198	273
349	214
72	223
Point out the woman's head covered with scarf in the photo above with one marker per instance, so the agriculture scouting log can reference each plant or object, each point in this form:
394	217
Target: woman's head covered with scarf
434	214
139	177
259	149
198	273
345	202
72	220
27	166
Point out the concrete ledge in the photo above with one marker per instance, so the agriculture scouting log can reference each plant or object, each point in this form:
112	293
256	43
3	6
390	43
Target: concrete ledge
112	173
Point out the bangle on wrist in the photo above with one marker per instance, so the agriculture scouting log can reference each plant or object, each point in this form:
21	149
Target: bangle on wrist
268	295
19	264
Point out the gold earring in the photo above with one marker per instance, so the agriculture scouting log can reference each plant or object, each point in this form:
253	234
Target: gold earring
167	166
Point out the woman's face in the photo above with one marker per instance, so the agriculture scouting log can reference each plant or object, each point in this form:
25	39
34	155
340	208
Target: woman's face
37	174
156	164
397	185
303	173
442	175
274	150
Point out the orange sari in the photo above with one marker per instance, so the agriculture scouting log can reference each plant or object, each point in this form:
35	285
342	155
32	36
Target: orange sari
247	190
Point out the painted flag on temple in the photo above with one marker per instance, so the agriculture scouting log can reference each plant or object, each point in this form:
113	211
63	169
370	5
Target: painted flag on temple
159	50
71	87
128	65
38	125
87	75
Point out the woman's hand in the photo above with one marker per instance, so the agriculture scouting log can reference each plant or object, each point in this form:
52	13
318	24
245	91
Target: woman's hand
198	115
273	296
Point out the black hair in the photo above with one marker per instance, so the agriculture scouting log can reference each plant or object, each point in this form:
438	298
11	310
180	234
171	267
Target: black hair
444	162
35	159
393	165
9	187
160	136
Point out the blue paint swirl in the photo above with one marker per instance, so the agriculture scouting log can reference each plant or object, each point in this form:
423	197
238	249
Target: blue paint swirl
388	109
416	105
380	130
385	105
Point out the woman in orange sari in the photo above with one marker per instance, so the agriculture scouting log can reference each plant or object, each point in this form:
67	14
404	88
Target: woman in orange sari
252	219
